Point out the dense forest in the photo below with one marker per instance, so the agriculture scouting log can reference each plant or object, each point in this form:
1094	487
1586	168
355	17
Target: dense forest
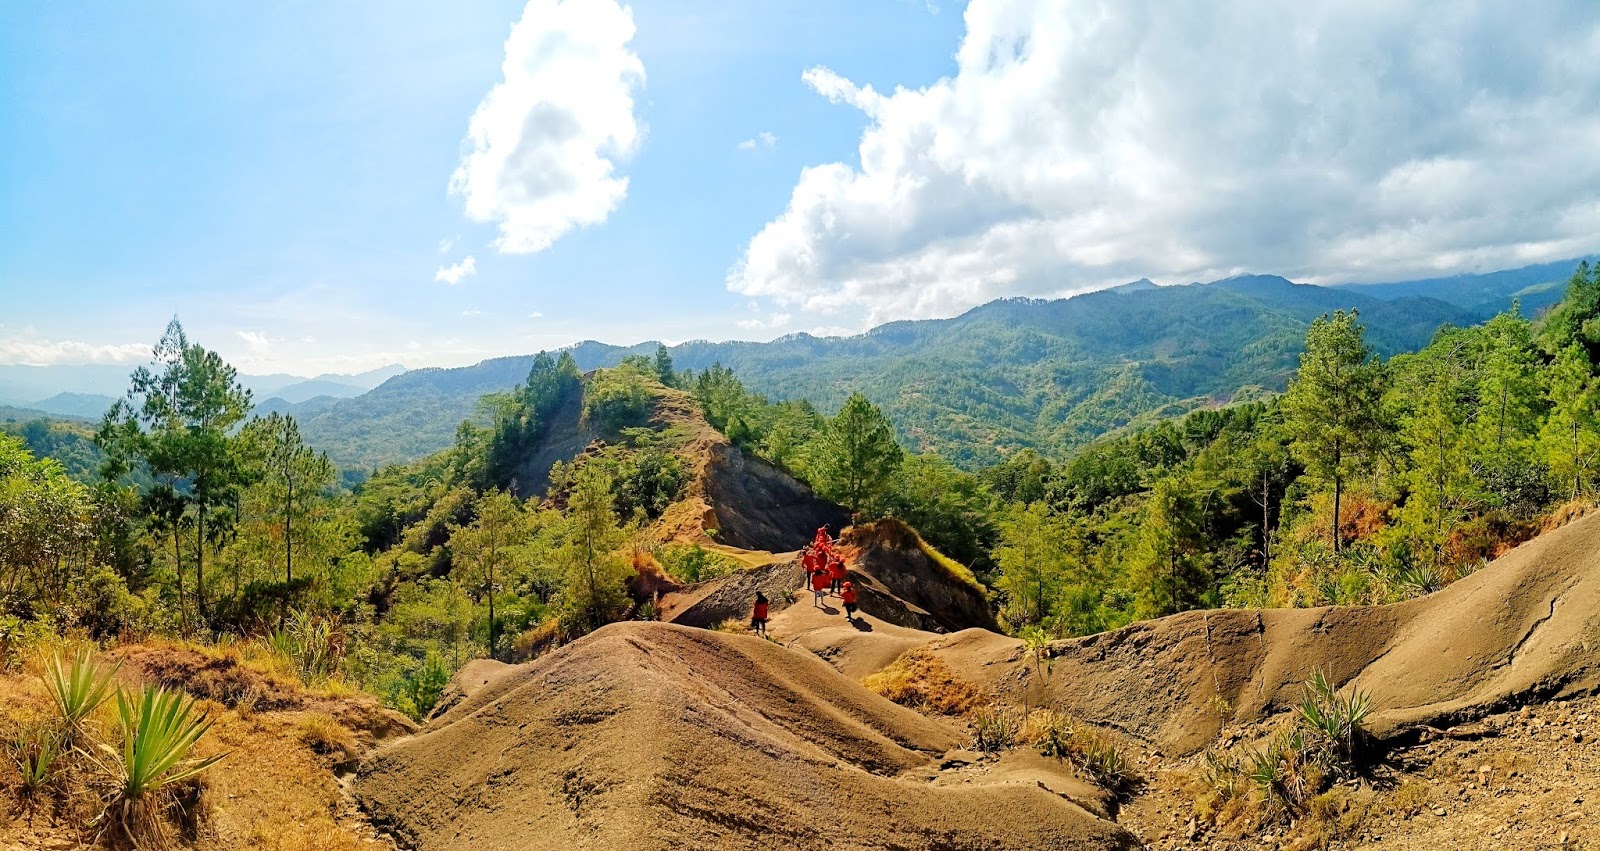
1369	479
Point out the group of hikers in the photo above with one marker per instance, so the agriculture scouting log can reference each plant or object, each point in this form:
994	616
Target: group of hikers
825	573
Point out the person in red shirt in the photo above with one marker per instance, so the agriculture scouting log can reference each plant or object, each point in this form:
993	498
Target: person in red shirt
836	573
758	617
823	539
819	587
848	595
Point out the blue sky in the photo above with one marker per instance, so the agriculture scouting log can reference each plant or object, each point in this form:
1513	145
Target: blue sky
280	174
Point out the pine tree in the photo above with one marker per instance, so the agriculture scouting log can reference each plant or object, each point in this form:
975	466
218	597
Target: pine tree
487	547
593	594
854	458
1570	439
1037	554
1164	571
1437	430
1333	407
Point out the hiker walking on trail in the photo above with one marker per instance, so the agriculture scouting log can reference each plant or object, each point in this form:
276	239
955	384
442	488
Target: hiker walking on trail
836	573
819	586
758	617
848	596
823	540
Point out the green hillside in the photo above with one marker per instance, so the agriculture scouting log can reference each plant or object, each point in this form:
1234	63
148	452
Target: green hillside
1050	374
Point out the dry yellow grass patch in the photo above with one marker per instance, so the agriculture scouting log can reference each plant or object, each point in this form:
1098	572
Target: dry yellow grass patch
922	681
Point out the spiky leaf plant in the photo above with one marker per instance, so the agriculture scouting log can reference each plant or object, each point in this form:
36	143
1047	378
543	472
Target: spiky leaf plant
159	730
35	752
77	689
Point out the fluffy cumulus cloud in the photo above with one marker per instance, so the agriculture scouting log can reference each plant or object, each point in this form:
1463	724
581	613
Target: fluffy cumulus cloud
31	350
1083	143
543	147
455	273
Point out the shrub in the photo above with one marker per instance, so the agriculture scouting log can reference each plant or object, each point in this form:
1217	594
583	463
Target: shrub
34	751
1335	720
312	646
1096	753
693	563
159	731
922	681
77	691
995	728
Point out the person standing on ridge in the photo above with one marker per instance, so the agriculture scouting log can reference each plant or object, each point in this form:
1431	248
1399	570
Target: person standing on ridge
758	617
848	596
836	573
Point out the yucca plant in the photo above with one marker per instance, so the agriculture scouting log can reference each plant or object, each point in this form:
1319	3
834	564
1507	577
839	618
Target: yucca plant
159	729
78	690
35	752
1335	718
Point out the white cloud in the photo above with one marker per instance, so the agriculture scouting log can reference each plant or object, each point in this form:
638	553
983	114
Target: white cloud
536	315
771	323
472	311
453	275
33	351
445	245
259	344
1087	143
543	146
763	139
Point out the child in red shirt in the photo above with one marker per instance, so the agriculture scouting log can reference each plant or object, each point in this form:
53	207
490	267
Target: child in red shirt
758	618
819	587
836	574
848	595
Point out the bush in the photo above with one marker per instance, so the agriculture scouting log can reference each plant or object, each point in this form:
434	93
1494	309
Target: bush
617	398
693	563
312	646
1335	720
995	728
415	691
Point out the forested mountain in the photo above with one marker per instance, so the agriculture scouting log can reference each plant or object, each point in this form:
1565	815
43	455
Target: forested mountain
1049	374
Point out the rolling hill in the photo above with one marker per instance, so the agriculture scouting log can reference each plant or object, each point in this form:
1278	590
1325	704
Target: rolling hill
1051	374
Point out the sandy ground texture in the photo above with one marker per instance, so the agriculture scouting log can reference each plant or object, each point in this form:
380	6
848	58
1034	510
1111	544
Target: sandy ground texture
658	736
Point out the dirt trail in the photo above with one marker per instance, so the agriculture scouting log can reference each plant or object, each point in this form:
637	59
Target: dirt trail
659	736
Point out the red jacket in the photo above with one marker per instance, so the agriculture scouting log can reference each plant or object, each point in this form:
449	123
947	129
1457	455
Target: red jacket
848	595
760	613
819	581
836	569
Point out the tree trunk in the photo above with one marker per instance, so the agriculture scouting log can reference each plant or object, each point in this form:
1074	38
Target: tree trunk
1338	495
177	561
1266	520
200	561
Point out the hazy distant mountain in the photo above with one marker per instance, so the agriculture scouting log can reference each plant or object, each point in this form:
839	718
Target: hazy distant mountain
1012	373
22	385
299	410
87	405
1536	287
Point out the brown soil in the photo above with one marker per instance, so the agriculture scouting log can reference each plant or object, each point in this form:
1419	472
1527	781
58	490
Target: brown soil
658	736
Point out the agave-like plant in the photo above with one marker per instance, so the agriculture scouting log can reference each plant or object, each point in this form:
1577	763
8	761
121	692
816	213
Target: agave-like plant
78	689
35	753
1336	718
159	730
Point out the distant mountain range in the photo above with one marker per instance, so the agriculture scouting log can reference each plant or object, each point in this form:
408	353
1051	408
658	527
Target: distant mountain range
88	390
1050	374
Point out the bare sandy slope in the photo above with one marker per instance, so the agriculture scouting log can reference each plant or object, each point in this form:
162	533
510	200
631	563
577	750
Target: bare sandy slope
658	736
1522	629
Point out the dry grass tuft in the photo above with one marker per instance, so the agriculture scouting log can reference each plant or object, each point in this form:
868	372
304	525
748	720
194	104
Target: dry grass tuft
326	737
922	681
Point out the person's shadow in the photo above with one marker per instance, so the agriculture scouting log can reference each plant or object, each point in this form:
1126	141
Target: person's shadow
861	624
829	610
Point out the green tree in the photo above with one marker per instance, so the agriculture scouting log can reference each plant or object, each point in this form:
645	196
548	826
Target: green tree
1577	318
488	546
595	573
294	475
1508	383
178	419
1436	429
1164	571
1038	553
855	456
1333	407
664	369
1570	439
